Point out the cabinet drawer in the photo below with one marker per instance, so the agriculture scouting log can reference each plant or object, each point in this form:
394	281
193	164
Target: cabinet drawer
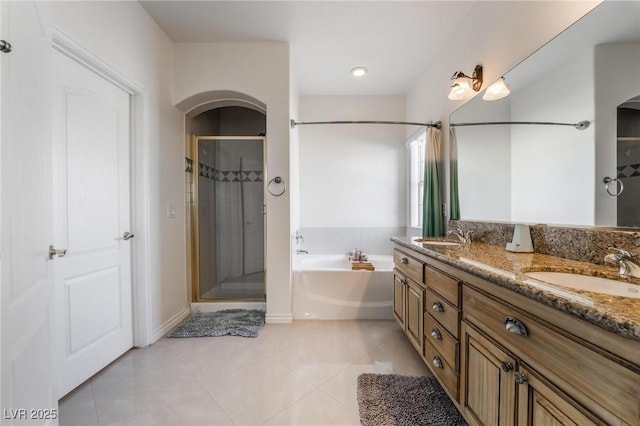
441	340
443	284
443	312
579	371
446	375
411	267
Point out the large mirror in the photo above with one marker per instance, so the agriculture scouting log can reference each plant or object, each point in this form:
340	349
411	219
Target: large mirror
555	174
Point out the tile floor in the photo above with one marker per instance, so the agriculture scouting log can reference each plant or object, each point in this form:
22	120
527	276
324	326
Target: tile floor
302	373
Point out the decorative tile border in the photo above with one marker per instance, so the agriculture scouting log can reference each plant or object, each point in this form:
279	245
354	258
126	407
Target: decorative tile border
629	170
224	175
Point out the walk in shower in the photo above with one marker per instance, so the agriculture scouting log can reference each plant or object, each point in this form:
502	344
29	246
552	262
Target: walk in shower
228	218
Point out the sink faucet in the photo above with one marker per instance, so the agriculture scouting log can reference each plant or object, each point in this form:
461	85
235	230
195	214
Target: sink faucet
464	237
627	264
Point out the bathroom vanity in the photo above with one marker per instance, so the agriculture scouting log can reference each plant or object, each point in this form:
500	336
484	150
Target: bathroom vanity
510	349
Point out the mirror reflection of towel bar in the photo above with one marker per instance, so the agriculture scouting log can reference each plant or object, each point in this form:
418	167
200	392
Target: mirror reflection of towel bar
608	181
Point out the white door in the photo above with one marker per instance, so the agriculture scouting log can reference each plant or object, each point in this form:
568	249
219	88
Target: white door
92	281
27	393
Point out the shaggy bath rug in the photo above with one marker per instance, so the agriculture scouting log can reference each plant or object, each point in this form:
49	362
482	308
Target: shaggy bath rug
233	322
393	400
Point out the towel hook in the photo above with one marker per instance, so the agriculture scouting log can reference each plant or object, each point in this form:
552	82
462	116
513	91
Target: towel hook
278	181
619	186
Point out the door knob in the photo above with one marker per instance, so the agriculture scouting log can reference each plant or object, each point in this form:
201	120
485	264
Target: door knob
127	236
53	252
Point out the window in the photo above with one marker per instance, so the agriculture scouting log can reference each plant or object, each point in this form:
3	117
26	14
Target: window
416	180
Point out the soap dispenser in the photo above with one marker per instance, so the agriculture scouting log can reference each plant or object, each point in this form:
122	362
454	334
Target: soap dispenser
521	241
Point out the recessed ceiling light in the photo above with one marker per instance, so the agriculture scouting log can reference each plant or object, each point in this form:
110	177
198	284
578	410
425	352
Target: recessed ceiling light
359	71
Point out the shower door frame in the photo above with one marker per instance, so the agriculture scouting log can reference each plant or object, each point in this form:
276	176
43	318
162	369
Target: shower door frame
195	226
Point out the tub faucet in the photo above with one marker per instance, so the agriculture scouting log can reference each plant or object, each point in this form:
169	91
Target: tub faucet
464	237
299	237
302	251
627	264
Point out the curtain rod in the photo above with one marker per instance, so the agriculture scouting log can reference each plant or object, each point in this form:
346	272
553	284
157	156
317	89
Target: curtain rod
580	125
437	124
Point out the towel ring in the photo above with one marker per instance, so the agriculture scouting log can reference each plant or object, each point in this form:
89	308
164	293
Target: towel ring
278	181
608	181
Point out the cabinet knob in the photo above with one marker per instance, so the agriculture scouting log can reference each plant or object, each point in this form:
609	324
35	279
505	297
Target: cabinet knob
404	260
520	378
437	306
435	333
514	326
507	366
437	362
404	281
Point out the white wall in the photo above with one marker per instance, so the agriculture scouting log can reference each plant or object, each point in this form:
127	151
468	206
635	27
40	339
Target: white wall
552	167
122	35
260	70
352	177
484	161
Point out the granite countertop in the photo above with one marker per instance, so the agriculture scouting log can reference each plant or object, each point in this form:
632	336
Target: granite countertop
620	315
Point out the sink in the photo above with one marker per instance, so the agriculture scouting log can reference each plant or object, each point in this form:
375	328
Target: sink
437	242
588	283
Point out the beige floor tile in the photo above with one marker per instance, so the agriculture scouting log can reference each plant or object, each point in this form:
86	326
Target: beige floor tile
291	374
316	409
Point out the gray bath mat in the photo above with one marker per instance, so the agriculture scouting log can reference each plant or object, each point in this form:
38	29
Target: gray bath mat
393	400
233	322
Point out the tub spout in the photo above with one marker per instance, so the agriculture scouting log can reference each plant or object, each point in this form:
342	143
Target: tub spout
302	251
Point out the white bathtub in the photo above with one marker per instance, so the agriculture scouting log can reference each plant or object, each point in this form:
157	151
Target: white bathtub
325	287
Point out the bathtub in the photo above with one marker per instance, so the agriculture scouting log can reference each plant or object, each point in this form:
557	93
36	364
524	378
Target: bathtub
325	287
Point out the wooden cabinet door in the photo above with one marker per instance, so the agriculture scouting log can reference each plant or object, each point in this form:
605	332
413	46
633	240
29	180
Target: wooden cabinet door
415	315
488	387
399	296
540	405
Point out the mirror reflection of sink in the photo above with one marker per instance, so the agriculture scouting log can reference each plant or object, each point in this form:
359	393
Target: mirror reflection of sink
437	242
588	283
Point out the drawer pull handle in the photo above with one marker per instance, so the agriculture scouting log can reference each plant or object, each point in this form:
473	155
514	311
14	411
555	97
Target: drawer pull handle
435	333
514	326
437	306
520	378
437	362
405	260
507	366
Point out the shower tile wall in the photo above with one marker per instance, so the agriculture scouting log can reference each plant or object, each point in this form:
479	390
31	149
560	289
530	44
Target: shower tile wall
373	240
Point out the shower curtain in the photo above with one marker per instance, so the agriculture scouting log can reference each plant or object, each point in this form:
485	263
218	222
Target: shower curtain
228	223
454	197
431	212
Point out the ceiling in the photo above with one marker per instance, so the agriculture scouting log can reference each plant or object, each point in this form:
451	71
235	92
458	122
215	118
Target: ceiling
395	40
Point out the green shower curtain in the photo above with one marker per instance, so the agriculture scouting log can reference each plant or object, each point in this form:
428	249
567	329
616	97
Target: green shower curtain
431	212
454	198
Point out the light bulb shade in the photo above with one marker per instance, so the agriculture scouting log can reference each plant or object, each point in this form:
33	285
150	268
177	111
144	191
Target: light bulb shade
497	90
461	89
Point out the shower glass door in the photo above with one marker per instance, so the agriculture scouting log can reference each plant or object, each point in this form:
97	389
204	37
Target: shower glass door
229	220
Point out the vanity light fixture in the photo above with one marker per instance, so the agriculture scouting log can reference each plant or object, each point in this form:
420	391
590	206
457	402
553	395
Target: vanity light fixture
498	90
463	86
359	71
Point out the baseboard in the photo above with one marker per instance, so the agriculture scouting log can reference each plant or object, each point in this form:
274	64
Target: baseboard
278	318
219	306
171	324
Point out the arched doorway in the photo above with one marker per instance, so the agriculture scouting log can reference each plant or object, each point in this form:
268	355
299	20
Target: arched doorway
225	155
